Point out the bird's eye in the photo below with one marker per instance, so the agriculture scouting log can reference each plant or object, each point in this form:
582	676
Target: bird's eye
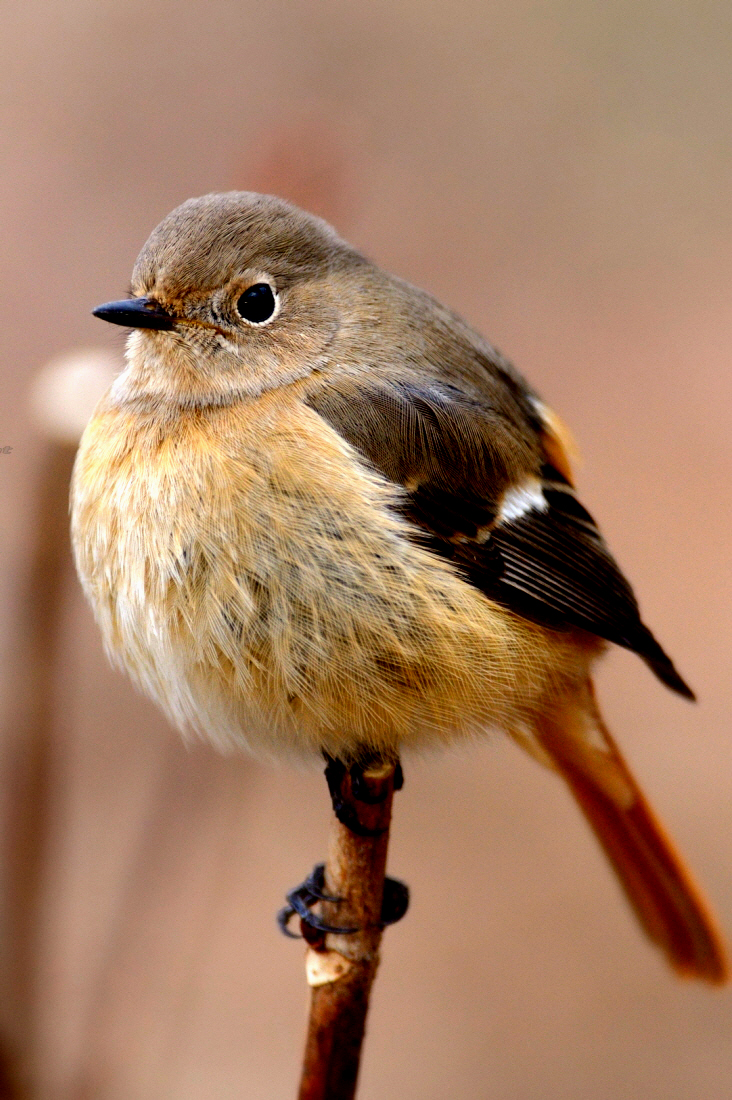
257	304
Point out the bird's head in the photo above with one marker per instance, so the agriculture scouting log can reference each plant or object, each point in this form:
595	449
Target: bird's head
233	294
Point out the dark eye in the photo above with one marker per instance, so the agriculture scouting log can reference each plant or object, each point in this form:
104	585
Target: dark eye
257	304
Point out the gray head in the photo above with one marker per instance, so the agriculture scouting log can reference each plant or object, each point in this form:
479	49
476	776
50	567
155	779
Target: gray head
213	241
233	293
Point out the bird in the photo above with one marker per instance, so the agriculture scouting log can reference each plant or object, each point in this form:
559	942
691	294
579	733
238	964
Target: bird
317	514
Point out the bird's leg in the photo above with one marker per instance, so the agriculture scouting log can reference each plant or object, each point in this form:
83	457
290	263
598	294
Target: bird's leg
348	785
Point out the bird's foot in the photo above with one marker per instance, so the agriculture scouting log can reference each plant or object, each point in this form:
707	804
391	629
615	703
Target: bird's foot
395	902
313	928
299	903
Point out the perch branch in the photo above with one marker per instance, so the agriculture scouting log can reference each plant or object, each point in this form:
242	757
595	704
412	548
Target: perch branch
341	968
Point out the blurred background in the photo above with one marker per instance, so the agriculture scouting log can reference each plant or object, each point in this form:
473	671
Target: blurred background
560	173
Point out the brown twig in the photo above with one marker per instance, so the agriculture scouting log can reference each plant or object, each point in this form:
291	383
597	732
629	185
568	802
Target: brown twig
341	968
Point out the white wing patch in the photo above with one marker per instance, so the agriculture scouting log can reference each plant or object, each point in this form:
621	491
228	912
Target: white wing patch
520	499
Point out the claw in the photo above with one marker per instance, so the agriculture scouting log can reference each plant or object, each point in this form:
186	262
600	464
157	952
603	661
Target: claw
300	900
395	901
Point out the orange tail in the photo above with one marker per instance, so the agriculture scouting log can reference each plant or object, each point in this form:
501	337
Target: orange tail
659	887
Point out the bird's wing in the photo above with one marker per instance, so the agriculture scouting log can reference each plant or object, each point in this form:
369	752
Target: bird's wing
495	497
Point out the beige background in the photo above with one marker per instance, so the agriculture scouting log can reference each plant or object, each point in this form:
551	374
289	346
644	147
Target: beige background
560	173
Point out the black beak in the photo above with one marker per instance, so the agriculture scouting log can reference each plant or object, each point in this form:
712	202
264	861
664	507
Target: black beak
135	313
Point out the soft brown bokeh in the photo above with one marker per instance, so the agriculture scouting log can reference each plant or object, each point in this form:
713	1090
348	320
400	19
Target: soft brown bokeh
561	174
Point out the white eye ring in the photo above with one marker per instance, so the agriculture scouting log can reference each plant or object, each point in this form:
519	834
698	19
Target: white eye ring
258	304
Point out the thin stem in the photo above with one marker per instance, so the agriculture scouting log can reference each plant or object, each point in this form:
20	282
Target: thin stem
341	968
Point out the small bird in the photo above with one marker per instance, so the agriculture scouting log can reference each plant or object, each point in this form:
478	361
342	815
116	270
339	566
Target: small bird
317	513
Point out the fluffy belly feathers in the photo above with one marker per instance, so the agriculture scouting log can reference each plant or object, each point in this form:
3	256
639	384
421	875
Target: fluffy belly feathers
249	572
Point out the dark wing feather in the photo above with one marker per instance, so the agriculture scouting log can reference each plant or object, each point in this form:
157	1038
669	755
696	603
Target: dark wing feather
456	458
558	570
447	448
